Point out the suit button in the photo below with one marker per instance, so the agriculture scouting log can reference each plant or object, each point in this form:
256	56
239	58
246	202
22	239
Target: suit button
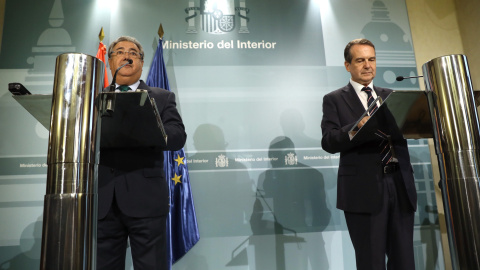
112	170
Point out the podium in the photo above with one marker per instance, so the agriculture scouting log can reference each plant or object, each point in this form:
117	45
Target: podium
81	119
446	112
408	109
119	125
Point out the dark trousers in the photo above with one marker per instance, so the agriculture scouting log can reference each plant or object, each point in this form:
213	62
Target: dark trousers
389	232
147	241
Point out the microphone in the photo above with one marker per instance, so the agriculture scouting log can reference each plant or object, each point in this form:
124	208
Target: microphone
18	89
112	85
401	78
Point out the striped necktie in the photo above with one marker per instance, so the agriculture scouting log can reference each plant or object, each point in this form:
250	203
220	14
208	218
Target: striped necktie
385	148
370	99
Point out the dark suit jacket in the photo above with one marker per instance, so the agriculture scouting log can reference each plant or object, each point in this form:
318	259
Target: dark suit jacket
360	175
135	175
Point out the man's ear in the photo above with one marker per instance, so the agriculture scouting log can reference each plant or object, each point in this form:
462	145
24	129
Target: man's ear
347	66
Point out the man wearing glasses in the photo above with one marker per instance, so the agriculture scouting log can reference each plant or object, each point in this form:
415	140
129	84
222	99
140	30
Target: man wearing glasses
133	195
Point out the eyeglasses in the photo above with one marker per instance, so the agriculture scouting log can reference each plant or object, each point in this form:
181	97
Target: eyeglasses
133	54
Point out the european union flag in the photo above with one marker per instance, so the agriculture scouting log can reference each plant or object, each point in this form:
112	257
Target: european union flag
182	227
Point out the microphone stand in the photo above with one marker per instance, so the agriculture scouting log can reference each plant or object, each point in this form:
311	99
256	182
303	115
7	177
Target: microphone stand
112	85
110	99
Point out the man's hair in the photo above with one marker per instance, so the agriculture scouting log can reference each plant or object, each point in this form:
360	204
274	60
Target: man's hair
126	38
360	41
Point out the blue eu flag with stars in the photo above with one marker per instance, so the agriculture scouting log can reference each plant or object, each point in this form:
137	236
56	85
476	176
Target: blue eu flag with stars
182	227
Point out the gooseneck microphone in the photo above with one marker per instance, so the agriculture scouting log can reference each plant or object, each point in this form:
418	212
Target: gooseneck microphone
401	78
112	85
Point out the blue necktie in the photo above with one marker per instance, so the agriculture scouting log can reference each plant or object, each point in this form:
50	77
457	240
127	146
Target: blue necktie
385	149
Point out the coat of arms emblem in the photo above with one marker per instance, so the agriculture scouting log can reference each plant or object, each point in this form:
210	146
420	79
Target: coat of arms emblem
291	159
221	161
217	16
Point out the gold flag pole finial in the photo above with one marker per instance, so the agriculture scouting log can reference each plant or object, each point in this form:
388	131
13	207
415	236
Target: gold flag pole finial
160	31
101	35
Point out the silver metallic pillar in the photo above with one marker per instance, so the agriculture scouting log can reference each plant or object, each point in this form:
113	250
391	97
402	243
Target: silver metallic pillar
70	208
457	144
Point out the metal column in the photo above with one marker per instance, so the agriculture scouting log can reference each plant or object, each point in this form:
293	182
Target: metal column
70	207
457	142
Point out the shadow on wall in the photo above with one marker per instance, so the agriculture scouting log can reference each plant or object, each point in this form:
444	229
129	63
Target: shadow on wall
293	126
224	186
290	200
27	254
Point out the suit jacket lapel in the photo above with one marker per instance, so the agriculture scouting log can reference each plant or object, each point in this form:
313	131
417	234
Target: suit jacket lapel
144	86
352	100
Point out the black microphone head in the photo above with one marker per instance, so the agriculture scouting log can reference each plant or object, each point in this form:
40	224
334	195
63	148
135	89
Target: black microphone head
130	61
400	78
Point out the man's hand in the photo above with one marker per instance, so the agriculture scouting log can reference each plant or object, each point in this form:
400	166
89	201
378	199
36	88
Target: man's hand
363	121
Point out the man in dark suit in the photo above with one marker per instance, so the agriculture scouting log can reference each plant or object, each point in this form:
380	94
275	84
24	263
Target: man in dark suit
375	189
133	196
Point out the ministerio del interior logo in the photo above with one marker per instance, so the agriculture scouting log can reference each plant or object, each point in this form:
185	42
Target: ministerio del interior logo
217	16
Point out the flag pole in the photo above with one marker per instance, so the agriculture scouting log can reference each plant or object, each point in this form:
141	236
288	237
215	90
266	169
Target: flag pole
102	50
160	32
101	35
